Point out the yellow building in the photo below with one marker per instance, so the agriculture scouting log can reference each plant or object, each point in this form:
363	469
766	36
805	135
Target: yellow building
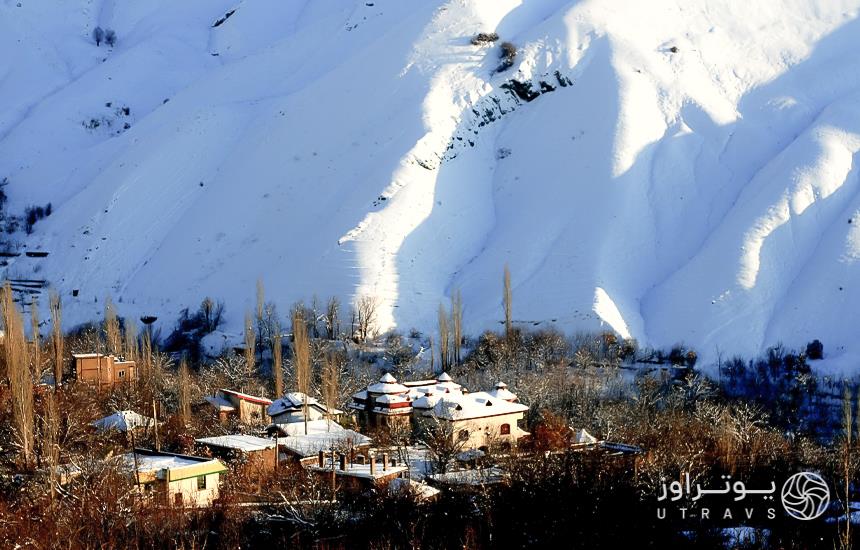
104	370
174	479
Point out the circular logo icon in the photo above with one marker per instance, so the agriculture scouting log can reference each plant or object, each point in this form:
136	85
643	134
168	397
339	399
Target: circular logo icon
805	495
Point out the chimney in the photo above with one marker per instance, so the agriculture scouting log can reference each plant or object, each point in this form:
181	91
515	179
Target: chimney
321	459
384	461
342	461
372	465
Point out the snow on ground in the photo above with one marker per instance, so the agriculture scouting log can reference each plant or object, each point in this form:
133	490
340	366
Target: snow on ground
694	182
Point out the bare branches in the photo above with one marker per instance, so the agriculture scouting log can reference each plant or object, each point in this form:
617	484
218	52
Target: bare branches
57	338
278	363
330	382
301	359
332	318
111	328
18	372
444	335
366	310
507	299
250	341
457	324
184	394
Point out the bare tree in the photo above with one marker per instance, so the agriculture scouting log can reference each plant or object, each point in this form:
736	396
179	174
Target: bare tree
111	328
330	379
110	37
250	341
443	441
366	310
98	35
507	303
36	343
457	324
132	348
57	339
332	320
278	363
301	360
184	393
444	339
50	443
261	301
20	379
145	359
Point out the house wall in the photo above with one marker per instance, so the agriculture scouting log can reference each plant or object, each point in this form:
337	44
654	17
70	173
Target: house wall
250	413
483	432
104	370
190	494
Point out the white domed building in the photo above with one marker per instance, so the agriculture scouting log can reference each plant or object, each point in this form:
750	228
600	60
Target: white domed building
480	419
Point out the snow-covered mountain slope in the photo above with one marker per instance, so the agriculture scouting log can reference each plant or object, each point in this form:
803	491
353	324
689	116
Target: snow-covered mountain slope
677	170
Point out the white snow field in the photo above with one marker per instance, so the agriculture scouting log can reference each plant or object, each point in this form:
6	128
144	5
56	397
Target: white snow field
687	175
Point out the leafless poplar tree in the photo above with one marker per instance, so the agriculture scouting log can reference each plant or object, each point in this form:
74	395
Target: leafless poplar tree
301	359
457	324
57	339
250	341
444	339
20	379
50	444
111	327
132	348
261	325
277	363
507	303
330	381
37	341
184	393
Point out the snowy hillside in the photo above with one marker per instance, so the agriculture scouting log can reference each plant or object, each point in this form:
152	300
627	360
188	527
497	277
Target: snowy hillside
677	170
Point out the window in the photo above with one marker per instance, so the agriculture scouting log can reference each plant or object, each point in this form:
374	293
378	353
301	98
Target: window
121	374
463	435
201	483
505	429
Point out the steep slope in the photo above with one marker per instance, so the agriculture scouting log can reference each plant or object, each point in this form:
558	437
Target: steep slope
672	170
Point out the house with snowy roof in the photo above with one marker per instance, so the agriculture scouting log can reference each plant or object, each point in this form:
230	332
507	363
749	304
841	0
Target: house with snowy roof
252	452
321	435
355	473
250	409
290	408
123	421
174	479
479	419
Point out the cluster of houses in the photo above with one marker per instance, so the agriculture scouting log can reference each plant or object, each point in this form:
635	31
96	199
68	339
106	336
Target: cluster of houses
297	431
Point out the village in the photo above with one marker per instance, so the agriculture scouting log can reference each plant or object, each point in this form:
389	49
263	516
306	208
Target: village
326	433
445	433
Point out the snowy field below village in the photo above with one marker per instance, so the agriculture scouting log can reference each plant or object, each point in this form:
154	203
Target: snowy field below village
674	170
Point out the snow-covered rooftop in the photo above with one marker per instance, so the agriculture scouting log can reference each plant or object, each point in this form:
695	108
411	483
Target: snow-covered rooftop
155	462
239	442
123	421
501	391
247	397
294	401
473	405
387	384
220	403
